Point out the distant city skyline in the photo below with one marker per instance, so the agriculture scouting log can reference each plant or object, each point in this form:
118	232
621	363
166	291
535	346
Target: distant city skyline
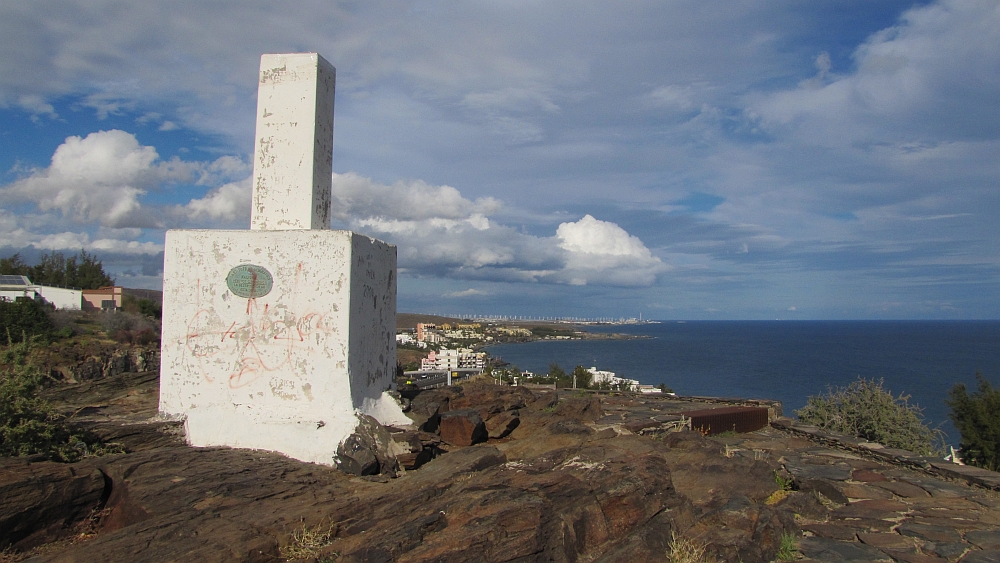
765	160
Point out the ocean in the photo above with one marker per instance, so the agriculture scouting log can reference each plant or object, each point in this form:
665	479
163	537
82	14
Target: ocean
786	360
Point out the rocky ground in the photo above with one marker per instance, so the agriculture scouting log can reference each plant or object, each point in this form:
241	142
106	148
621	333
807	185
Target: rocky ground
548	477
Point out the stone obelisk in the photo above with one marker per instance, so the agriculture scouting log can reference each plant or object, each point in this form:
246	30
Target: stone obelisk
277	337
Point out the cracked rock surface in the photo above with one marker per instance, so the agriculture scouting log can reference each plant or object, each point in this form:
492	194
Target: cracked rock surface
568	481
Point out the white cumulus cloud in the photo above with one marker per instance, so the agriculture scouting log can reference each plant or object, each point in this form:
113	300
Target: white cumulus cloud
15	234
356	196
441	233
101	179
602	252
930	75
226	203
98	178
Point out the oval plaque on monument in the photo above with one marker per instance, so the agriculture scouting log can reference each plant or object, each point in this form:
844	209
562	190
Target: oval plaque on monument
249	281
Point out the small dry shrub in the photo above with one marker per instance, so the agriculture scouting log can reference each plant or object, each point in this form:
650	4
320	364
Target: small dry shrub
686	550
776	497
307	542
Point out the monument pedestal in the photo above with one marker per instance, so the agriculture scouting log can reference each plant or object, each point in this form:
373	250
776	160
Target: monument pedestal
278	337
275	339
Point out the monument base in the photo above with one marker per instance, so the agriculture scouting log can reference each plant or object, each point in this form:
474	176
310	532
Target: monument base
276	339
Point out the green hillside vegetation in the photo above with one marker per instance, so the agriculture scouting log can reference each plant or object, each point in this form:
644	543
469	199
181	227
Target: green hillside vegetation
28	424
544	331
22	319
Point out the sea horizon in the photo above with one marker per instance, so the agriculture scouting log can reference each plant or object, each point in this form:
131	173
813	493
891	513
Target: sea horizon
786	360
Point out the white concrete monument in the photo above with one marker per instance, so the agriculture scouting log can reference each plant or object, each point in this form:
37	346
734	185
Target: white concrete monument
277	337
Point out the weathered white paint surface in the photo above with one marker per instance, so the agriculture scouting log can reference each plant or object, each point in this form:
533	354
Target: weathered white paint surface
293	157
285	371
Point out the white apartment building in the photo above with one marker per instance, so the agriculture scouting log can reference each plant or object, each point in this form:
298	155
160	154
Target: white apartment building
445	359
406	338
463	334
610	378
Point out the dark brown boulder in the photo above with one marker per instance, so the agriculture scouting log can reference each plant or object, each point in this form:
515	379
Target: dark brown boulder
805	504
584	409
490	400
367	450
42	501
824	487
742	530
411	450
426	407
431	401
686	440
501	425
462	427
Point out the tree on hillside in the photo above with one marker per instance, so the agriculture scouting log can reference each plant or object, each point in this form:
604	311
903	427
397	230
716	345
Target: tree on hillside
977	417
556	372
84	270
584	379
14	266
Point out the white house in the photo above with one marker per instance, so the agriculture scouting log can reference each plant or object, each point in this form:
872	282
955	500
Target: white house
14	287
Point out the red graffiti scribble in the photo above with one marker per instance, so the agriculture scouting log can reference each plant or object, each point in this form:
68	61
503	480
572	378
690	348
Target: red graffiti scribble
266	340
229	332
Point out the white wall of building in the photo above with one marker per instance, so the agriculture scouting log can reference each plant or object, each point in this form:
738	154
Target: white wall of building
601	376
61	297
14	294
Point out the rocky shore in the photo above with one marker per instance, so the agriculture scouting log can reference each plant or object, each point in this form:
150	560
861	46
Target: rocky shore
547	476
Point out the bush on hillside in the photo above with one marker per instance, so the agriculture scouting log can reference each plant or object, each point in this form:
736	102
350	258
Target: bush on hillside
977	417
24	317
66	323
28	424
130	328
143	306
867	410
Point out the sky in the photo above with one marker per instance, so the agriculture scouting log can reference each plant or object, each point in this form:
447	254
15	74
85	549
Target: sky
755	159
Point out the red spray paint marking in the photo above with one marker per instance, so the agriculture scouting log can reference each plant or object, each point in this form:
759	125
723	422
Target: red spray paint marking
229	332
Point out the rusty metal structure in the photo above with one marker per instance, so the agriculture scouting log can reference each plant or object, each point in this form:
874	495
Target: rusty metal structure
727	419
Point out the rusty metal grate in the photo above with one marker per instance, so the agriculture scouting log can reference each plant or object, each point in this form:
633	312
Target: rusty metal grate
736	419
